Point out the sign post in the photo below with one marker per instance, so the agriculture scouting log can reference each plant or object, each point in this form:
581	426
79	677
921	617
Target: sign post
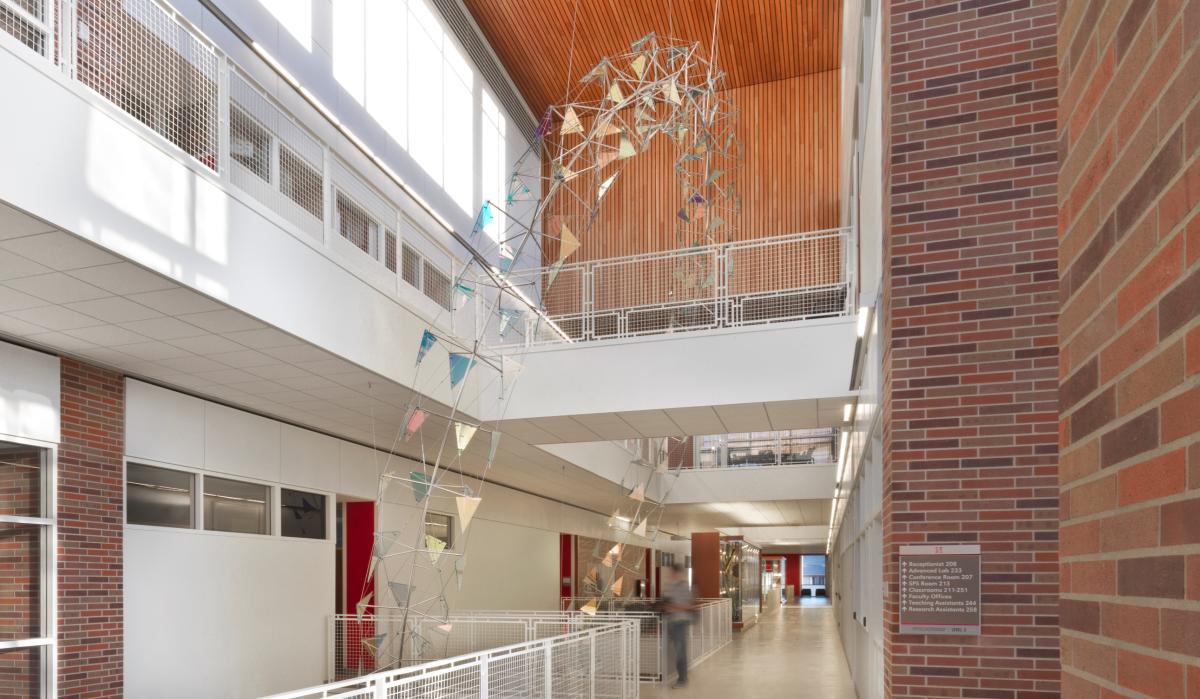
939	589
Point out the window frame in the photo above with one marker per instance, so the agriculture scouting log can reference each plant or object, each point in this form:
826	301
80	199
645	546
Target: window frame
450	523
197	505
270	512
47	642
325	501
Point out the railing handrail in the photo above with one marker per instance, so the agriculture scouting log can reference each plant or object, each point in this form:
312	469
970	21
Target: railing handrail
681	252
375	679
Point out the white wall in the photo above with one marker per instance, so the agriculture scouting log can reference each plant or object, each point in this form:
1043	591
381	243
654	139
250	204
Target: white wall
213	614
29	394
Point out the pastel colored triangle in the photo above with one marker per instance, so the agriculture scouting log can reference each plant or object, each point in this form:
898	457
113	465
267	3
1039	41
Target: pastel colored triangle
493	447
434	546
463	434
670	92
639	493
640	529
445	628
414	422
420	485
362	605
466	510
590	607
571	122
626	149
400	592
603	189
617	585
639	65
614	92
568	243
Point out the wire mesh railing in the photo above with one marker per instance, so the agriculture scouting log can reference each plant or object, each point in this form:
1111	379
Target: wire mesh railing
597	662
710	630
765	280
149	62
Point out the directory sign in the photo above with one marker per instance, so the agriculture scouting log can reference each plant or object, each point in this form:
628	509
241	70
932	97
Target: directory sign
939	589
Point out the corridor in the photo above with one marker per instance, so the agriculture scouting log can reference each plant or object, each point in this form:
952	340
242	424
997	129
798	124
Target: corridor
793	653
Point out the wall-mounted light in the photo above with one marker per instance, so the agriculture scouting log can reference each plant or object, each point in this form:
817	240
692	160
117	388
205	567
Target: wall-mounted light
846	412
863	312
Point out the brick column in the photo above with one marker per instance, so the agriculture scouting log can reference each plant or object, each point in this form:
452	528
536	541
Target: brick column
90	527
970	299
1129	134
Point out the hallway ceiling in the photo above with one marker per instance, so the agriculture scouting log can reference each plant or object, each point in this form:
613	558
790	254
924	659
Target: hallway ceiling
757	40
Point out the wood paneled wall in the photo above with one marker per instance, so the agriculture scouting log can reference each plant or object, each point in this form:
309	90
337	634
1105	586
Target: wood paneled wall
788	178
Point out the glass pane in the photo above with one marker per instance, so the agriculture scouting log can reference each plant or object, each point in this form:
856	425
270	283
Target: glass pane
20	582
158	496
440	526
20	480
21	672
236	506
302	515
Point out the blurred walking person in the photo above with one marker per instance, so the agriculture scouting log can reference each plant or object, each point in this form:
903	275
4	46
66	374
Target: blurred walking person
679	605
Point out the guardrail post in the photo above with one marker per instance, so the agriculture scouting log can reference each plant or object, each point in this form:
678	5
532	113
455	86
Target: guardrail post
66	37
592	666
483	679
548	669
331	650
223	118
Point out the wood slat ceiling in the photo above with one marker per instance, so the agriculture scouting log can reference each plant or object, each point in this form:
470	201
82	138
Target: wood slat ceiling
757	40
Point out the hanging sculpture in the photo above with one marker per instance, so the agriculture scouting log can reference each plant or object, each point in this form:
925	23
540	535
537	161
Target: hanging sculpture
655	91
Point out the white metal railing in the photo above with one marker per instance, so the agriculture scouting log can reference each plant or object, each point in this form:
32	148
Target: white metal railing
710	631
148	61
765	280
778	448
595	662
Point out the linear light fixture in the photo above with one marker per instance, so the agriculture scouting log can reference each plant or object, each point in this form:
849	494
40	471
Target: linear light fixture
863	313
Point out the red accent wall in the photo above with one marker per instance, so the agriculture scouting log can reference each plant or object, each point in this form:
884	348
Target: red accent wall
358	542
706	564
970	307
565	563
90	532
791	571
1129	368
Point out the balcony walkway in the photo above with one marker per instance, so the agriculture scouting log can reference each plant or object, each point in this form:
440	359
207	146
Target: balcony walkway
792	654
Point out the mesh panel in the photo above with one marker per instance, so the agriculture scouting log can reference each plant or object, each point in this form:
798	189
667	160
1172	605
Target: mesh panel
136	56
354	224
410	265
26	32
273	159
437	286
389	250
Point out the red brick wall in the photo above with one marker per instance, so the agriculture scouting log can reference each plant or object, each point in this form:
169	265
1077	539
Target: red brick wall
90	525
1129	260
970	339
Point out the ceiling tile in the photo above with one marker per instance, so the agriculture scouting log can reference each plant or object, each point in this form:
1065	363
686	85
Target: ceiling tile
192	365
792	414
13	266
651	423
153	350
59	250
57	287
746	417
698	420
123	278
207	344
107	335
61	341
163	328
328	366
262	339
14	223
223	321
13	300
276	371
258	387
244	359
114	309
176	301
226	376
298	353
18	327
55	318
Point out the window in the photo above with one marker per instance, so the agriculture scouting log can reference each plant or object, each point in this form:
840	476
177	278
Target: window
356	225
301	182
236	506
493	173
159	496
437	286
440	526
411	270
389	250
301	514
27	540
250	143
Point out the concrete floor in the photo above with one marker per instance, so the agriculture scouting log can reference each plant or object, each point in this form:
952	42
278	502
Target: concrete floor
794	654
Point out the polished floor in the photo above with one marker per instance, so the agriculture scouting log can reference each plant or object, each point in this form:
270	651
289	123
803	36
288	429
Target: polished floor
793	653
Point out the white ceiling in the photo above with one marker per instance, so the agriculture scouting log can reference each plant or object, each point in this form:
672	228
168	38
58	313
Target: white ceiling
71	297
